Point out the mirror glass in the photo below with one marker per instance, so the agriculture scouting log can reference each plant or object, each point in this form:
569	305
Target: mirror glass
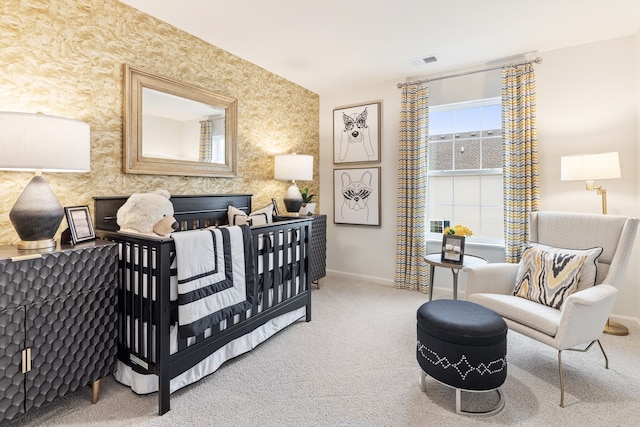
172	128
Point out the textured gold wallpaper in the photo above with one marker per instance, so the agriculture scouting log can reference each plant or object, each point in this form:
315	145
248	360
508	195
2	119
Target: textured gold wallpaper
64	58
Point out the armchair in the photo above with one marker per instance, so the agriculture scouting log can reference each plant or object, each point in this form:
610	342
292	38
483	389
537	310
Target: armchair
582	316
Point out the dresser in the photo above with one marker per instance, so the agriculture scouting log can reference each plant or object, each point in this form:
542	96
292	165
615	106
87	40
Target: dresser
318	255
58	322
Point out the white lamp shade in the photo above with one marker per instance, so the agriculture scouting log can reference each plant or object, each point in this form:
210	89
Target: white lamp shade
589	167
293	167
39	142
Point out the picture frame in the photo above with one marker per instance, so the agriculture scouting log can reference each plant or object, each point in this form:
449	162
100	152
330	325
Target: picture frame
356	133
80	225
452	249
276	211
356	196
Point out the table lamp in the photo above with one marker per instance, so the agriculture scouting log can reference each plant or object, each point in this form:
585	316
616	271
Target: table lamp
38	142
292	167
589	167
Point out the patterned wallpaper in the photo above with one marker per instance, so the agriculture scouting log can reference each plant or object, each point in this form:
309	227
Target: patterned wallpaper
64	58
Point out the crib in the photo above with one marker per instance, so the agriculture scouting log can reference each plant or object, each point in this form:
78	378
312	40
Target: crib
152	355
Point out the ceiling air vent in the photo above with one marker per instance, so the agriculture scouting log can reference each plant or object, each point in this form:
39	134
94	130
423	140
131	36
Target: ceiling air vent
421	61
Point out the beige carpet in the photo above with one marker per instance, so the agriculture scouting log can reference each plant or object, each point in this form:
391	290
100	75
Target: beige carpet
354	365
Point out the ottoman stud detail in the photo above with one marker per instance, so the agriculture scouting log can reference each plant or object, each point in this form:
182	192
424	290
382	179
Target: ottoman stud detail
464	346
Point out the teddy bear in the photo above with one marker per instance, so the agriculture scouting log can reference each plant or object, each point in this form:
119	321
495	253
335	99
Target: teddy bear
148	213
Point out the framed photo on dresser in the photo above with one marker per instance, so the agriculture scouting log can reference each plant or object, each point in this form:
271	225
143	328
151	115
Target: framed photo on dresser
80	225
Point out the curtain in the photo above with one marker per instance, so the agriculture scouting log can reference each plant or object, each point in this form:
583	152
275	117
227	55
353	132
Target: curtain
206	141
411	268
520	156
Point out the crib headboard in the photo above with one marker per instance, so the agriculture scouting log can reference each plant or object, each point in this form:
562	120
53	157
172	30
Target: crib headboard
202	208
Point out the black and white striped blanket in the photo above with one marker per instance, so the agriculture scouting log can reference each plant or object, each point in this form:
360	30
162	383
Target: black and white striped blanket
215	269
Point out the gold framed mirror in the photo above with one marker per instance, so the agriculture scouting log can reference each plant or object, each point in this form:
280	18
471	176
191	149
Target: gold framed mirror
173	128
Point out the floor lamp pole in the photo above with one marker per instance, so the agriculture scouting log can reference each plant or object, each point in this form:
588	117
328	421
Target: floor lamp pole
612	327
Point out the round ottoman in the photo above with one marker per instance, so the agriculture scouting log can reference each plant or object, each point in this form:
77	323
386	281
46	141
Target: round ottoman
463	345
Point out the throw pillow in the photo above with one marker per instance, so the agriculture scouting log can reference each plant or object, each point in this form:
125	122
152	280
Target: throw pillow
589	269
258	217
548	277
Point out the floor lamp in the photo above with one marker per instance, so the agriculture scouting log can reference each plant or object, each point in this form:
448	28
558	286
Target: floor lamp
588	168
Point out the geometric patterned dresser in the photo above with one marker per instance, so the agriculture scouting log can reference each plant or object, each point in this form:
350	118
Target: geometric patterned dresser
58	322
318	247
318	260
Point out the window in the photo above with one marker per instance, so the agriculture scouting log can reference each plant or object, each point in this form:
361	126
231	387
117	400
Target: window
465	168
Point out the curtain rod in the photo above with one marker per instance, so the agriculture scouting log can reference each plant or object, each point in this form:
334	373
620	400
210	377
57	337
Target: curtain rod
538	60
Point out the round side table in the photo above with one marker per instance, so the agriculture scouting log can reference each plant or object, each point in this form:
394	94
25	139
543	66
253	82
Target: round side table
435	260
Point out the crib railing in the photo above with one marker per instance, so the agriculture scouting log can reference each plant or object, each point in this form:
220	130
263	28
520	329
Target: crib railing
146	311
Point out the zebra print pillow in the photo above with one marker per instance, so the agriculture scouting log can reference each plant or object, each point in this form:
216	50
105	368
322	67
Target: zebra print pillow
549	275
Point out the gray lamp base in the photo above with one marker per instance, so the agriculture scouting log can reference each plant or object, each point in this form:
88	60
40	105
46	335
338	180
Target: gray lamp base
36	215
293	199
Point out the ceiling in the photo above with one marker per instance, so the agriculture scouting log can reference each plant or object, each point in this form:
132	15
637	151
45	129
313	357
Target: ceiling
328	46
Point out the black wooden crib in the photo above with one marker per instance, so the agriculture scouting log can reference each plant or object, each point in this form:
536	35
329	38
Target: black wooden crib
152	354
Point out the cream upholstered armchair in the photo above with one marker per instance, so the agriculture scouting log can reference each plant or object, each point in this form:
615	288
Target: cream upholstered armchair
557	302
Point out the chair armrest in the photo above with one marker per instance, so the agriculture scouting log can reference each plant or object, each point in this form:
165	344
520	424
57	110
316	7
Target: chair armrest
495	278
584	315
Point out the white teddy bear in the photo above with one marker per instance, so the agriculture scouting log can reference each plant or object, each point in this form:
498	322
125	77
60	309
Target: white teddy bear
148	213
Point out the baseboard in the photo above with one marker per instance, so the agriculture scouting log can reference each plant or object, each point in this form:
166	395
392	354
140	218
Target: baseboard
352	276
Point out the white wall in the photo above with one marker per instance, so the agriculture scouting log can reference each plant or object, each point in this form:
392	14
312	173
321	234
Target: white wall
588	103
588	99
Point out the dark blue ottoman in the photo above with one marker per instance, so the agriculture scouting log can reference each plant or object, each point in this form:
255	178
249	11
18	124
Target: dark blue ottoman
463	345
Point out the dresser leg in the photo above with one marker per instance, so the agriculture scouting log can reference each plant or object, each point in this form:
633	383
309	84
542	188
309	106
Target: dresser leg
95	388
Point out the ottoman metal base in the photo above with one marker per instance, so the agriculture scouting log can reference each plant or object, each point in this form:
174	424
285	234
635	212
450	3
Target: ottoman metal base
491	411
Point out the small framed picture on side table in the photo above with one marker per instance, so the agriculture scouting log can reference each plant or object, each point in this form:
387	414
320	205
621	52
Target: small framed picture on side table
80	226
452	249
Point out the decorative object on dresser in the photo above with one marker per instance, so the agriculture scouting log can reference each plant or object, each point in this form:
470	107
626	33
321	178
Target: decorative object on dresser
80	224
58	322
155	353
41	143
308	206
292	167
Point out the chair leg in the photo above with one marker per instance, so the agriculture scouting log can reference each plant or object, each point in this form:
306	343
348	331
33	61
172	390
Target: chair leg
561	379
606	365
606	359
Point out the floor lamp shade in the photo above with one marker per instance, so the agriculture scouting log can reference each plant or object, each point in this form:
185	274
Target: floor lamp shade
293	167
37	142
589	167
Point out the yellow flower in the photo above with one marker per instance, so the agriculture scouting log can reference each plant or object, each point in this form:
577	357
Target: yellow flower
458	230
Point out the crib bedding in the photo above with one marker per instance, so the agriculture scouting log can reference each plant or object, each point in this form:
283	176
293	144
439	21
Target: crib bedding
215	276
156	351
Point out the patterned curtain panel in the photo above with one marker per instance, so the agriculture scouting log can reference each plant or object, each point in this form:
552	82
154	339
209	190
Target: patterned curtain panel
520	156
411	268
206	141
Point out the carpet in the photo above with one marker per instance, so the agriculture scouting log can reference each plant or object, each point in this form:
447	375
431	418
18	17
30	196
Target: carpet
354	365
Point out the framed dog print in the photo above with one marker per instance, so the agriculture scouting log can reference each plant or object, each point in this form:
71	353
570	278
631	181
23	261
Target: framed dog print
356	196
356	133
452	249
80	225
